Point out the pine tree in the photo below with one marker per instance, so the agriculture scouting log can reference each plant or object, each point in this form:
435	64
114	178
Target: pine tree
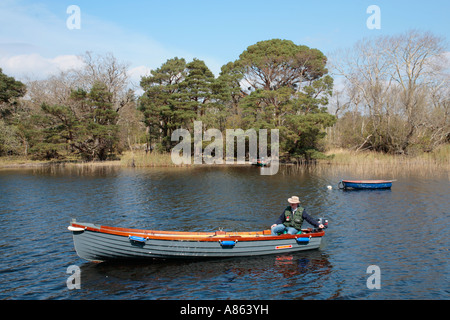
88	127
162	102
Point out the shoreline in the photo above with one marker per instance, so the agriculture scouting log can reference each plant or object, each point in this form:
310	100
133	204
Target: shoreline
338	157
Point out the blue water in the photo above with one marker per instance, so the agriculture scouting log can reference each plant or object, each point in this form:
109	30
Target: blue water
404	231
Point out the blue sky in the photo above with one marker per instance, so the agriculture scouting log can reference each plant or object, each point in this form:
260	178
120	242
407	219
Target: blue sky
35	41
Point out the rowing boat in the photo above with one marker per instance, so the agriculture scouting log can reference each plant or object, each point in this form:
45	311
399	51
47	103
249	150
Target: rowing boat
102	243
365	184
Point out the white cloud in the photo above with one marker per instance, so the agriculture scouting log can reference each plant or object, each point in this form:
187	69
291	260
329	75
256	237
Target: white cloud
35	41
67	62
35	66
134	75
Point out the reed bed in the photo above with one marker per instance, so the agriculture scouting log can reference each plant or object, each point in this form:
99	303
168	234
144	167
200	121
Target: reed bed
367	162
438	158
150	159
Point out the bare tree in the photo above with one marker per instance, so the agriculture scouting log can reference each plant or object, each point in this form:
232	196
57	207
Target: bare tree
108	70
392	80
54	90
417	58
57	92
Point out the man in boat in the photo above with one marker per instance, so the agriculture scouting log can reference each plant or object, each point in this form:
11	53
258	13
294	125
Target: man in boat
291	219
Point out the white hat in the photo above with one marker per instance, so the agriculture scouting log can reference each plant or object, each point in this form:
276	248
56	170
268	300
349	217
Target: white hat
294	199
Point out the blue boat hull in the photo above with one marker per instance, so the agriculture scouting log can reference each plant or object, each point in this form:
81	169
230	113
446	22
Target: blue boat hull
366	184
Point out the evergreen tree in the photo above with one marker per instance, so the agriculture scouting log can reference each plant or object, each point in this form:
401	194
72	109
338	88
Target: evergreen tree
197	87
205	96
11	135
288	90
162	102
97	130
10	89
88	127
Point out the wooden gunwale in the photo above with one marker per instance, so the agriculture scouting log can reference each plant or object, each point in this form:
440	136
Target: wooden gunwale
197	236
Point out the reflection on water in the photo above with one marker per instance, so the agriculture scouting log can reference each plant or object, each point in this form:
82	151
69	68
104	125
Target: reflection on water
291	275
403	230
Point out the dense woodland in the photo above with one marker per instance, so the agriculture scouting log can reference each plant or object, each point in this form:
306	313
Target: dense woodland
389	94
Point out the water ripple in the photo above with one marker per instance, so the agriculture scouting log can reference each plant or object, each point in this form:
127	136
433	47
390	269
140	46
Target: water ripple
403	230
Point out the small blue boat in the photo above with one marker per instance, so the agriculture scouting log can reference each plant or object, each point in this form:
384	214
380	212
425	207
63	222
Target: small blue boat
365	184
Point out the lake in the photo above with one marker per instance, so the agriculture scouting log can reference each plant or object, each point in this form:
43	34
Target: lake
402	231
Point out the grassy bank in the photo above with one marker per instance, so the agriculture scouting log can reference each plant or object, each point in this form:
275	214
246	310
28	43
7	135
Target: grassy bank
13	162
127	159
440	158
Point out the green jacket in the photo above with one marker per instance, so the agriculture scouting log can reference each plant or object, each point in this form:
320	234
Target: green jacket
294	220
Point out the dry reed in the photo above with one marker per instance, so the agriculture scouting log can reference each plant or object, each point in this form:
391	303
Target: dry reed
440	158
150	159
365	161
